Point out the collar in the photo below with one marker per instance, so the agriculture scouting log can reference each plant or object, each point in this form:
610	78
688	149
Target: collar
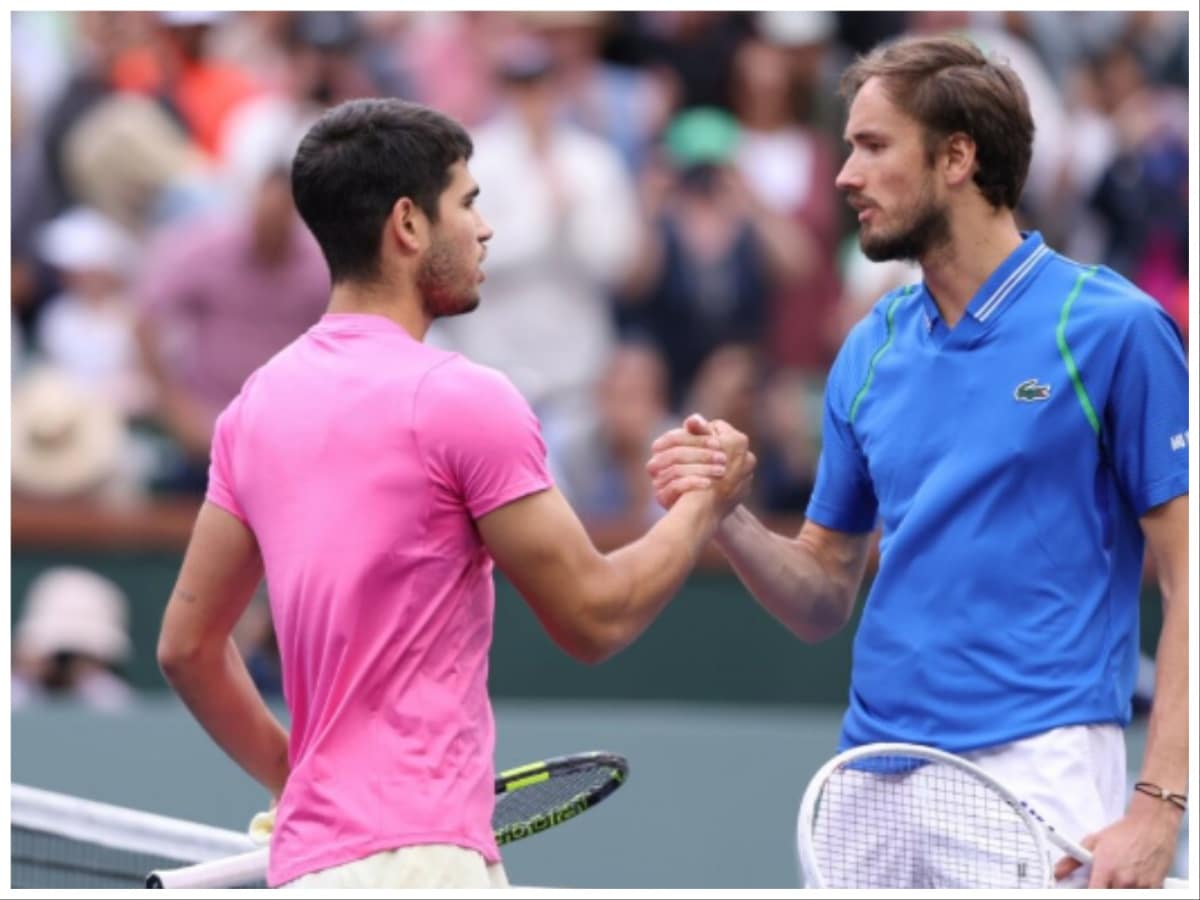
1006	282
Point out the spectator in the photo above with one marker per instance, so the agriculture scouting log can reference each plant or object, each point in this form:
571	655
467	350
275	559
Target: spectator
703	276
66	443
71	642
86	330
693	51
626	106
607	484
218	298
789	429
322	69
451	60
129	160
790	169
178	68
567	227
1142	195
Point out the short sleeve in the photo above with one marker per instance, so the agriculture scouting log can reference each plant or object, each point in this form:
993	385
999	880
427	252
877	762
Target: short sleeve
479	437
221	491
843	497
1146	418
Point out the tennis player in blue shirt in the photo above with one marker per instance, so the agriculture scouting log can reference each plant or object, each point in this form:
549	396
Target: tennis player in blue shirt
1017	425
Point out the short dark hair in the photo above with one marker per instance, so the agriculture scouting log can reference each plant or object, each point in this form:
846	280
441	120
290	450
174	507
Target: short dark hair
948	85
356	161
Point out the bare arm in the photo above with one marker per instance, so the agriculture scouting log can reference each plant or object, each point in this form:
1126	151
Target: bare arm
1137	850
220	571
809	583
1166	758
593	604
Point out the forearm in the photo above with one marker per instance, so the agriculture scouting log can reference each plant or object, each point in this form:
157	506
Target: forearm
216	686
1165	760
787	577
642	577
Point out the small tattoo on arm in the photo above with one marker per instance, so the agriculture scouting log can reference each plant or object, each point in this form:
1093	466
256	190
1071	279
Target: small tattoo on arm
186	596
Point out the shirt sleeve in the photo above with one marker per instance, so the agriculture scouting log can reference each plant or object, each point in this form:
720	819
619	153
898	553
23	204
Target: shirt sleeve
480	439
1146	418
221	491
843	497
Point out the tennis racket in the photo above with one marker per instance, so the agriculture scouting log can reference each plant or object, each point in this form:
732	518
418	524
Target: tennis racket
529	800
908	816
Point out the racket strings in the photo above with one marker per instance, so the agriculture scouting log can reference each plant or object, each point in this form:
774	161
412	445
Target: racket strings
903	823
561	790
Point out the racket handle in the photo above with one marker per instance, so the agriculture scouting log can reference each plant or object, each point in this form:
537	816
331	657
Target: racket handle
231	871
1081	853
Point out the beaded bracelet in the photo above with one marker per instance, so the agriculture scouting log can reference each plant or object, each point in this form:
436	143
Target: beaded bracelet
1161	793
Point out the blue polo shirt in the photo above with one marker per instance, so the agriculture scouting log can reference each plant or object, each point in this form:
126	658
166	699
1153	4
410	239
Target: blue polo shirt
1008	461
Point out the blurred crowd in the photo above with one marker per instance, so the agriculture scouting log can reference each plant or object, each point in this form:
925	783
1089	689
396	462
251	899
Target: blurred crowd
667	235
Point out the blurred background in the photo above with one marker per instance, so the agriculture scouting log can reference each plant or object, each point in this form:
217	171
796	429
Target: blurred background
668	240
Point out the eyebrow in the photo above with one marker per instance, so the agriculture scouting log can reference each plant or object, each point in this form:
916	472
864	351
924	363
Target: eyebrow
865	135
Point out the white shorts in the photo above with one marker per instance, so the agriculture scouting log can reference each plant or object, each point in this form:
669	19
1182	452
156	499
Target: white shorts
421	866
1074	777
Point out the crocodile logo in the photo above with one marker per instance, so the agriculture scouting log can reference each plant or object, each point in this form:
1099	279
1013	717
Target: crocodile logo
1029	391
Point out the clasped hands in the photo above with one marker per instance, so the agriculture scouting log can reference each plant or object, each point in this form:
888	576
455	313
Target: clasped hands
702	455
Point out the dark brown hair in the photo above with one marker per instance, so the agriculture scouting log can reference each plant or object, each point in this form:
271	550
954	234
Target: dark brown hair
357	161
949	86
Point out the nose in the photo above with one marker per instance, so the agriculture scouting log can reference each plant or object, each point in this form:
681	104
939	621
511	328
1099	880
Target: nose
848	178
484	230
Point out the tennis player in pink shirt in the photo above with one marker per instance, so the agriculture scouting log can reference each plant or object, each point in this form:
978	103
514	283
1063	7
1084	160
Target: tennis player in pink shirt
373	480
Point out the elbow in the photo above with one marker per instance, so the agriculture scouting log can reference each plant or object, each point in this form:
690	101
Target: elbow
595	643
177	656
598	632
172	659
823	621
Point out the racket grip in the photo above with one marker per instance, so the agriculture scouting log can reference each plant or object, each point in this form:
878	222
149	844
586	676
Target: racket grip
1080	853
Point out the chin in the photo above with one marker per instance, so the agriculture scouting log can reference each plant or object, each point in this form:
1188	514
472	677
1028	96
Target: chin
458	307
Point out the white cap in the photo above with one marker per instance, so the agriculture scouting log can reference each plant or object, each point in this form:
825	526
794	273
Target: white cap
83	238
797	28
74	610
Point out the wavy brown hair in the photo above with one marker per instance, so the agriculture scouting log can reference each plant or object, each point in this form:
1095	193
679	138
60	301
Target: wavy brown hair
949	86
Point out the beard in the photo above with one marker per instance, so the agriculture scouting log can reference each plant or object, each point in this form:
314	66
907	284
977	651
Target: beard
445	282
927	227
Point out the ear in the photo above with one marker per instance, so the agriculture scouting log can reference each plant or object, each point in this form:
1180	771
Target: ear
408	225
958	159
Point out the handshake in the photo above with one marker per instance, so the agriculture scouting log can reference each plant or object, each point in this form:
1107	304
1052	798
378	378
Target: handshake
702	456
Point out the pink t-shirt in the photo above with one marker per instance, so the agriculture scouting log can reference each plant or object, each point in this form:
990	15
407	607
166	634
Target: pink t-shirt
360	458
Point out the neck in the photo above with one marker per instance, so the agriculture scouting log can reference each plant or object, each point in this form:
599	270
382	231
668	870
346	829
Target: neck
955	271
380	298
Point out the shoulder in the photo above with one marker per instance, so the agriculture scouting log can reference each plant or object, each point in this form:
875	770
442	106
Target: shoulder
455	382
470	415
1099	298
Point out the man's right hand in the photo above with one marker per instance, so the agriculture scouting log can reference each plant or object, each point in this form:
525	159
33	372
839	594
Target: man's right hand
683	460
